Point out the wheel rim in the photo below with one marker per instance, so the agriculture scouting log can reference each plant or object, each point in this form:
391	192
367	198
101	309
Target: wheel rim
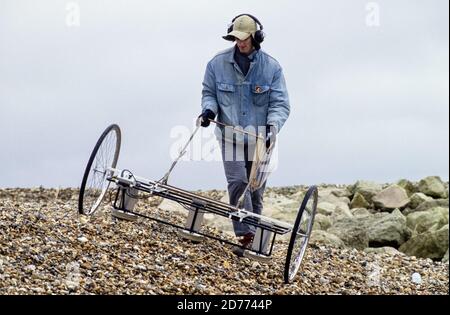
302	230
103	157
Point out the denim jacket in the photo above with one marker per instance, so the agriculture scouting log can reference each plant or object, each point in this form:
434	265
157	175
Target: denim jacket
253	101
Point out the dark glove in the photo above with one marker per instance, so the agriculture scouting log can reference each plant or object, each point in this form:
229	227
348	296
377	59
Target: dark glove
271	135
206	116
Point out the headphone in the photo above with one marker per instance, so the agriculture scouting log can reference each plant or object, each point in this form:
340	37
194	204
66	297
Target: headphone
259	34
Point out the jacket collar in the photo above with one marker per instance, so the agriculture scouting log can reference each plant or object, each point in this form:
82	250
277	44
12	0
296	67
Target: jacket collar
253	56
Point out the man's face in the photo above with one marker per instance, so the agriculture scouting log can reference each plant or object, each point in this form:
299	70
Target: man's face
245	46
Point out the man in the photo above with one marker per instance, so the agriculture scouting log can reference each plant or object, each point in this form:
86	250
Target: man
244	86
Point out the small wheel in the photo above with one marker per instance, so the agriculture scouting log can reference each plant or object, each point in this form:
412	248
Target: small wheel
300	234
95	184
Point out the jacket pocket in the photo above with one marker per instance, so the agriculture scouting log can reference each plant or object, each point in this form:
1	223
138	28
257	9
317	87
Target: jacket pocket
260	94
225	94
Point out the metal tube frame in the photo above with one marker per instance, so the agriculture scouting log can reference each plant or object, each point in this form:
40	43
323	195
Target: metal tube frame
199	203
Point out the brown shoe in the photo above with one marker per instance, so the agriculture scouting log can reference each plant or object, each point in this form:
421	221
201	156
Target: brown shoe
247	240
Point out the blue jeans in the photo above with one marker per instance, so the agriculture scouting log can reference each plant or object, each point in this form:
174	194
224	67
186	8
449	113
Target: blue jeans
237	162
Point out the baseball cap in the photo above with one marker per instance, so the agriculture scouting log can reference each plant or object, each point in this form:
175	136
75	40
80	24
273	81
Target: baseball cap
243	27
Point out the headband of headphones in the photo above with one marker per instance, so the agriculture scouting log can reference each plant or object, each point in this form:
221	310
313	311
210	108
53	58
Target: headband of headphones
261	27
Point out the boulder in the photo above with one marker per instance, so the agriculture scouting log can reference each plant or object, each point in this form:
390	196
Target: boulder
325	208
280	207
340	213
351	232
359	201
360	212
172	206
328	196
387	229
408	186
367	188
426	205
382	250
433	186
417	199
321	222
323	238
432	244
392	197
422	221
445	258
344	192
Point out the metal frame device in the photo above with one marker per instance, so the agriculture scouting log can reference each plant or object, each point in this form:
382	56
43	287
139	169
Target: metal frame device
101	171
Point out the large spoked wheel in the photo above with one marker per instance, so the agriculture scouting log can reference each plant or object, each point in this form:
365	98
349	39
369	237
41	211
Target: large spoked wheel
95	184
300	234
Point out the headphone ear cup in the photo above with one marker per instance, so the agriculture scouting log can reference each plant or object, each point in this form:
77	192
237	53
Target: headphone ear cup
259	36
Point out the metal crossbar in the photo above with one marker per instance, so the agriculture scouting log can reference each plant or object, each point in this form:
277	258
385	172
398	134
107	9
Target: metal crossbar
189	199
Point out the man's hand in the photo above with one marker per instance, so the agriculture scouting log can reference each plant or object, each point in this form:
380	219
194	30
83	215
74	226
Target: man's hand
271	135
206	116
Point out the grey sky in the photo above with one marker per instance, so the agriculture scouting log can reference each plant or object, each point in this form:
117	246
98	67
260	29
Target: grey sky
366	102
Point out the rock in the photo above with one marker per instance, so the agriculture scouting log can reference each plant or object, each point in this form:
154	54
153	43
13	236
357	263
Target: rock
29	268
359	201
422	221
387	230
445	258
324	238
351	232
360	212
367	188
326	195
256	264
432	244
416	278
408	186
321	222
383	250
172	206
417	199
325	208
340	213
392	197
433	186
82	239
71	285
84	219
424	206
324	281
341	193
